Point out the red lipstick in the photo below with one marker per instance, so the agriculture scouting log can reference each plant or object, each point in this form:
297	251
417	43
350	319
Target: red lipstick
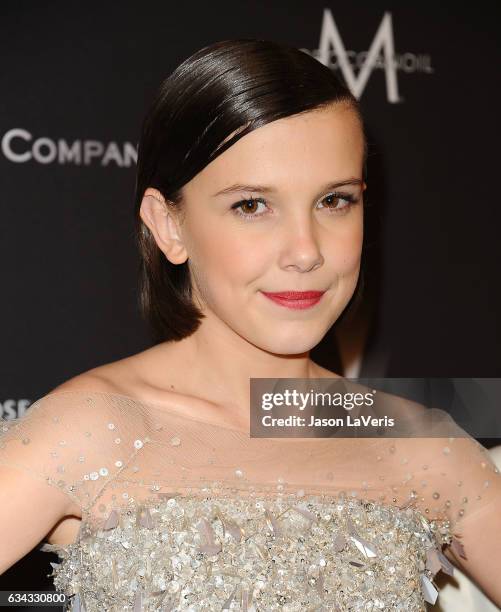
296	300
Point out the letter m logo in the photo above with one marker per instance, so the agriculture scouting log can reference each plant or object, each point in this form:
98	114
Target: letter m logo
330	39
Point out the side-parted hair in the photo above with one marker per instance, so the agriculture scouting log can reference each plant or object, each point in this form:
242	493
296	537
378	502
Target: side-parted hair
230	87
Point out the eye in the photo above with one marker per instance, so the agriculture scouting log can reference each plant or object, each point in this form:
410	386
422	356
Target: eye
339	201
246	208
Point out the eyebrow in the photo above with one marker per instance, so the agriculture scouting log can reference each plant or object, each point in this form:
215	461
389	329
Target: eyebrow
268	189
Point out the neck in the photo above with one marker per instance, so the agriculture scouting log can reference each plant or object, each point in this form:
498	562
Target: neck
217	364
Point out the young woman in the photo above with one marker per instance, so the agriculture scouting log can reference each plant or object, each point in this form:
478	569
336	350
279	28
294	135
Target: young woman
141	474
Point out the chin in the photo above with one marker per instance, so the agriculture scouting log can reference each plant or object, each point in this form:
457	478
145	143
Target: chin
296	345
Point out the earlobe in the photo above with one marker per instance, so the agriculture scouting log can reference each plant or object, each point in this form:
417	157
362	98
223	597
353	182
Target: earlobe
163	226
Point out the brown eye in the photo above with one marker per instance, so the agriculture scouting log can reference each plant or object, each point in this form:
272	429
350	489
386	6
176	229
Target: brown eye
336	202
248	208
331	199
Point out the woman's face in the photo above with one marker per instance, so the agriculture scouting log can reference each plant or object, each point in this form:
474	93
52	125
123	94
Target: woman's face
286	226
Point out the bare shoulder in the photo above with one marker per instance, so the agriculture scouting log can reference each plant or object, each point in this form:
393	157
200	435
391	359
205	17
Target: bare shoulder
127	376
108	378
87	381
79	398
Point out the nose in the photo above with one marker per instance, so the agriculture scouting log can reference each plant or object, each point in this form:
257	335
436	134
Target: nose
300	248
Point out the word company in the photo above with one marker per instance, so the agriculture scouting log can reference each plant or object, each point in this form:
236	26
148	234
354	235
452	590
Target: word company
19	146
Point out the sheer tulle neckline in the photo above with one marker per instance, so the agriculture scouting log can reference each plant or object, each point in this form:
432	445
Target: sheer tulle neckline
157	406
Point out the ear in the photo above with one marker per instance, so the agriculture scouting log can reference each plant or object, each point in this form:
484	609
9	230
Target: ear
163	225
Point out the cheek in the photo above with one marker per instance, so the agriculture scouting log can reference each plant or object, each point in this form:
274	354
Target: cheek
245	256
345	250
220	262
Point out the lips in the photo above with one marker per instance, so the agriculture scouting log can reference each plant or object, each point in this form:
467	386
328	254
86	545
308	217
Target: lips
297	300
295	295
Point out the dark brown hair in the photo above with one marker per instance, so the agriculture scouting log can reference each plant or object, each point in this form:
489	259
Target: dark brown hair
230	87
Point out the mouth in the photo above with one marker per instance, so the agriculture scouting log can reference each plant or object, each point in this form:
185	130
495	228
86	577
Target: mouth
297	300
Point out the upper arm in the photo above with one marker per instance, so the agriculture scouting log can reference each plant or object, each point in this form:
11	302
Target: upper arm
54	461
455	478
481	538
477	526
29	510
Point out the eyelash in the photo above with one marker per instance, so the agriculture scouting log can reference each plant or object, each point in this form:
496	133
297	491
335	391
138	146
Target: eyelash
347	197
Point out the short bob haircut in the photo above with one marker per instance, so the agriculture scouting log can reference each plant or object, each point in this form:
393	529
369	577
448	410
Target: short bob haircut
230	87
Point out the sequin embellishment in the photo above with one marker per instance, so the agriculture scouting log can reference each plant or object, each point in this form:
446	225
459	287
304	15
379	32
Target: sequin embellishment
291	553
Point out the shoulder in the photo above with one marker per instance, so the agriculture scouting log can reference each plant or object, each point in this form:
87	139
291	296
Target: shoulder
86	411
105	379
127	376
96	405
83	398
74	439
454	476
99	386
476	498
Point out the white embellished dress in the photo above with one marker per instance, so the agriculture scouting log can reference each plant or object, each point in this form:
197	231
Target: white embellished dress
182	514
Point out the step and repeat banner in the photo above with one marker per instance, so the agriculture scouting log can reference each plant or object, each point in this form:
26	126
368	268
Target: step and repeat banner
76	81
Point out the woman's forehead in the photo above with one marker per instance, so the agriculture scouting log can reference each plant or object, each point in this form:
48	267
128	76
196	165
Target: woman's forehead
315	146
